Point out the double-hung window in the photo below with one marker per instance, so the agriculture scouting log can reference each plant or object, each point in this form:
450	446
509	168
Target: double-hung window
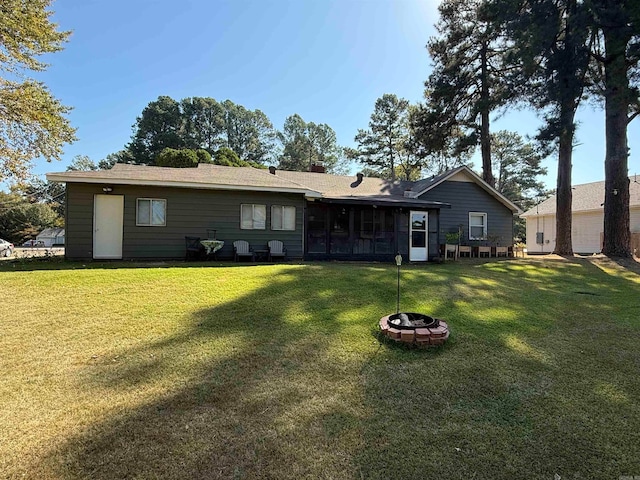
477	226
151	212
253	216
283	217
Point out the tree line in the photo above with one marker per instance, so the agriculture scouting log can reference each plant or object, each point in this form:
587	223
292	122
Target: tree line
203	130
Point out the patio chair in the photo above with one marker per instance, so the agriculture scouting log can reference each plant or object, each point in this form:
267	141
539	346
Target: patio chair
195	250
276	249
242	249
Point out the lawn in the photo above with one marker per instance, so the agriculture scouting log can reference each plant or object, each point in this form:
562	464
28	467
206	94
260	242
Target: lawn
192	371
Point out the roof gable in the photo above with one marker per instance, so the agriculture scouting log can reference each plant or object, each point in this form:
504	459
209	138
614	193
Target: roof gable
463	173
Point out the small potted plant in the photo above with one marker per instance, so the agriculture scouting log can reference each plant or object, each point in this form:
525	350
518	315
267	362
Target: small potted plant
452	240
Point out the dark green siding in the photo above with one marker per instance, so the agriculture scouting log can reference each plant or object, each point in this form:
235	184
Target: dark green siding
465	197
190	212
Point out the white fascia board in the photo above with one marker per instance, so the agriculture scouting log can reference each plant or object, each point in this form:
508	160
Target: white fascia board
53	177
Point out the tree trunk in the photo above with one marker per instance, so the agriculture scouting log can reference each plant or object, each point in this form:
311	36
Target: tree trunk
617	235
564	195
485	137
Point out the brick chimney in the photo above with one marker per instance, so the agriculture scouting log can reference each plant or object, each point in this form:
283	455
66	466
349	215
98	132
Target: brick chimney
317	168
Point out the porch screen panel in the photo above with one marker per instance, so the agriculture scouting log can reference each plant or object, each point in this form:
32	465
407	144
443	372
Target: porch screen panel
384	231
364	229
339	231
316	229
403	232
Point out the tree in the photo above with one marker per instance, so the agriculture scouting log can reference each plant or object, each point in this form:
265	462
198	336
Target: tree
305	143
618	52
517	169
203	156
228	158
35	190
248	133
21	220
32	122
159	127
551	52
438	152
469	78
82	163
385	145
183	158
203	123
123	156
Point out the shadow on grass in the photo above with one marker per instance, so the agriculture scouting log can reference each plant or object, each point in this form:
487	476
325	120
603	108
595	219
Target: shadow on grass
287	381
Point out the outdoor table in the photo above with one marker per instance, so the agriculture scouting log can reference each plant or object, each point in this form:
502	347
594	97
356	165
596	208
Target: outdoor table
261	255
212	246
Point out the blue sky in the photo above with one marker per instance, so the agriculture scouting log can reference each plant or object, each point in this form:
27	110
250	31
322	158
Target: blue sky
327	60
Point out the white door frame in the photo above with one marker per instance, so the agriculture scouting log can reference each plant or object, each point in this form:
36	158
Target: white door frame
419	253
108	222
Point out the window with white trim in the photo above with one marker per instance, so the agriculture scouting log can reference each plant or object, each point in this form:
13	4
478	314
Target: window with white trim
477	226
253	216
283	217
151	212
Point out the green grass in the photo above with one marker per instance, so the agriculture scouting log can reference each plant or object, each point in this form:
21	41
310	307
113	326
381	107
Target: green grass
276	371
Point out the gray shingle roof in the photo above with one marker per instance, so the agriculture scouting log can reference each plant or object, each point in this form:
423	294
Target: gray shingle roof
586	197
205	176
247	178
344	186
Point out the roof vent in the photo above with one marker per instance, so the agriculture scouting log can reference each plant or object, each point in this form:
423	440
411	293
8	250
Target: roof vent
408	192
272	170
358	181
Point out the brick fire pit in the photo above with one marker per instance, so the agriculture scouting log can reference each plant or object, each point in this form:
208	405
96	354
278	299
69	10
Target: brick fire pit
414	328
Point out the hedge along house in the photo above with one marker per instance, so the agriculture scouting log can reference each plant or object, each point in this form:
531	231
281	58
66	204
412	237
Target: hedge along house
138	212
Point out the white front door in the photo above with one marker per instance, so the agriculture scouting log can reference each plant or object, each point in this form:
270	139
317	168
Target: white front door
418	234
108	214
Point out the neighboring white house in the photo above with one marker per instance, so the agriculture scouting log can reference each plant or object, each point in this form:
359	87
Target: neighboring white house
587	223
51	237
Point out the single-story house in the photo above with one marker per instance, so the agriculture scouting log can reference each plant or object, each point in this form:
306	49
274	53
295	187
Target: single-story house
137	212
587	219
51	236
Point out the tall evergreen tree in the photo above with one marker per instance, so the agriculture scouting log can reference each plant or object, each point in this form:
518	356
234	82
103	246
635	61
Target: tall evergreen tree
469	78
618	52
248	133
551	44
203	123
386	144
159	127
304	144
517	168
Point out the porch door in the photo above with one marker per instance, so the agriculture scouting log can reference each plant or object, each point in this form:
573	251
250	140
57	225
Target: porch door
108	214
418	234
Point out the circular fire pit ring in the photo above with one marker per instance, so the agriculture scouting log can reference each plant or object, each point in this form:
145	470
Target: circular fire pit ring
414	328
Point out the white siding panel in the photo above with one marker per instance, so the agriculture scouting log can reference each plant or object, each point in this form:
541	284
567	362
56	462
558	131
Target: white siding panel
585	232
545	224
634	214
